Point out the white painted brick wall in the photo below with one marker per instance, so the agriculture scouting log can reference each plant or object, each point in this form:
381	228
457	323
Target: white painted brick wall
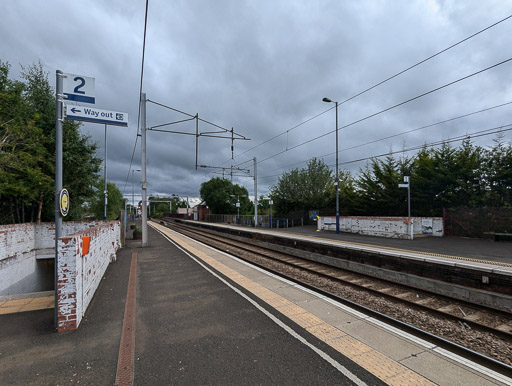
80	275
392	227
17	258
19	269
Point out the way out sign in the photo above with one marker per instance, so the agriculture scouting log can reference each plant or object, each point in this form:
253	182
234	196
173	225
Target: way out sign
88	114
78	88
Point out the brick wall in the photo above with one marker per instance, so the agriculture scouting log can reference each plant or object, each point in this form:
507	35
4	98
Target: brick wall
17	259
79	274
20	272
392	227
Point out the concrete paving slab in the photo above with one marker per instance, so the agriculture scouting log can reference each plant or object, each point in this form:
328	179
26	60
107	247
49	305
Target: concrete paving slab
26	304
381	340
294	294
442	371
328	313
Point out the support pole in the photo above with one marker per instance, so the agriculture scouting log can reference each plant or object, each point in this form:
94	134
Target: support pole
125	216
232	146
270	218
337	178
411	228
255	193
197	136
105	191
143	164
58	185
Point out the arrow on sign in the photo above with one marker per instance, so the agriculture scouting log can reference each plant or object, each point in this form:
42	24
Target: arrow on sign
75	110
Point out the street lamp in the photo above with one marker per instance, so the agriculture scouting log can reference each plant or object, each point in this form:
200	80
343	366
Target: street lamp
133	192
336	181
238	205
270	202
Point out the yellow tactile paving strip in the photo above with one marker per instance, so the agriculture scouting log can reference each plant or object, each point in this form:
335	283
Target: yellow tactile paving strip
384	368
27	304
498	263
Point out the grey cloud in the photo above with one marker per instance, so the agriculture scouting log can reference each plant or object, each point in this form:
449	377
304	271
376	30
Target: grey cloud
263	67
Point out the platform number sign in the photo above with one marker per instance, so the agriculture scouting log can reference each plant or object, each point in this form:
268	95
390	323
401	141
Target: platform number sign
78	88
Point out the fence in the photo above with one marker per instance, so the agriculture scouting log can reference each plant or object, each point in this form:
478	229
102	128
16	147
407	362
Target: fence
245	220
475	222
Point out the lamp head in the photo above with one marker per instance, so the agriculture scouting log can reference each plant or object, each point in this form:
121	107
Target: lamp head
326	100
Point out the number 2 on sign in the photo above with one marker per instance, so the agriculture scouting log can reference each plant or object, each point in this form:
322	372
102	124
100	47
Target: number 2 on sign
82	84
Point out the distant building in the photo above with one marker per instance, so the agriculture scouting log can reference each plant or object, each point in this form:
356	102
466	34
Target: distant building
197	213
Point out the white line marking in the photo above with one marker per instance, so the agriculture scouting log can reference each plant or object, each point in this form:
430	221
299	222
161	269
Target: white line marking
342	369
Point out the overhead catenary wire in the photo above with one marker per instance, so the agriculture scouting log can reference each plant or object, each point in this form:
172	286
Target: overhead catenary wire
387	109
205	134
140	93
361	93
477	134
372	115
399	134
379	83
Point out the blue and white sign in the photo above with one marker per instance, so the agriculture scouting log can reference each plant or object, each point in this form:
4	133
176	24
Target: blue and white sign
78	88
88	114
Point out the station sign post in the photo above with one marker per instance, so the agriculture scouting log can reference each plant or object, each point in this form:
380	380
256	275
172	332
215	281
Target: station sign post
407	185
81	89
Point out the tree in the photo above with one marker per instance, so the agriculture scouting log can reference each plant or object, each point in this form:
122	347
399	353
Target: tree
27	151
378	193
25	163
217	192
115	201
263	206
447	177
347	194
302	190
498	173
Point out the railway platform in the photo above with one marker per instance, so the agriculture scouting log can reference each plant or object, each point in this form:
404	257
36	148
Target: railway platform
485	250
178	312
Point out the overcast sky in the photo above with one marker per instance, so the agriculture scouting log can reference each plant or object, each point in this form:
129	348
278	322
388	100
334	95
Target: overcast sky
263	67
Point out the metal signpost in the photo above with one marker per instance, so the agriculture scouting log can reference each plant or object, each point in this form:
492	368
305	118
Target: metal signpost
237	205
255	193
143	129
81	89
407	185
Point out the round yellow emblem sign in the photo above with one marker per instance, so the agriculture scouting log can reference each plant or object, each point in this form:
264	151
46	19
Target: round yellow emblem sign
64	202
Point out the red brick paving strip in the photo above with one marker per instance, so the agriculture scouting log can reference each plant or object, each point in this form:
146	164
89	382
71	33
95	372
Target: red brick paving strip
124	374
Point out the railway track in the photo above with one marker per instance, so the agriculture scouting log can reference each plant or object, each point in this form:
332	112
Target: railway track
476	328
